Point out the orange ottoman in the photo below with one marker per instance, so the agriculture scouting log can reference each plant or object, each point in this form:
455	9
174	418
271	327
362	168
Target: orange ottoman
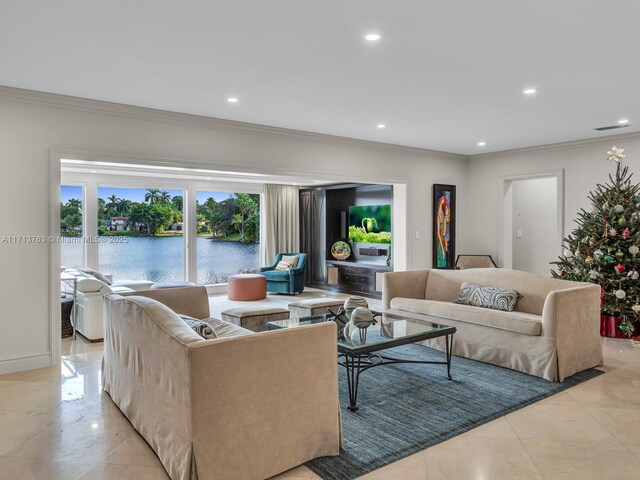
245	287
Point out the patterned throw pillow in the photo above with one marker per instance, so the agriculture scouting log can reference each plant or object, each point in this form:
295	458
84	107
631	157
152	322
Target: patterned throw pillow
487	297
201	328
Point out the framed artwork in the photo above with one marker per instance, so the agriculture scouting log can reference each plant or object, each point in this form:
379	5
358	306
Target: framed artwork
444	226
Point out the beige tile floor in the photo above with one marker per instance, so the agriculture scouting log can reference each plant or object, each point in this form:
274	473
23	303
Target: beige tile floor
56	423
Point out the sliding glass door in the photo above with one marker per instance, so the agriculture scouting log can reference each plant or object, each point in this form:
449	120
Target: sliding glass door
228	235
140	233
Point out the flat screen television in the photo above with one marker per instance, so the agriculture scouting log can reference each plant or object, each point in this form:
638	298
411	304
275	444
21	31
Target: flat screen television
370	224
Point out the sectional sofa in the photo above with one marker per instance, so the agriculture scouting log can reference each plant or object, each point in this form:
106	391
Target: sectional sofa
553	332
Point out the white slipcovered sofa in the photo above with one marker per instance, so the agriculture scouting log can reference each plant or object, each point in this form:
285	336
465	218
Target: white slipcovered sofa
90	301
553	332
242	406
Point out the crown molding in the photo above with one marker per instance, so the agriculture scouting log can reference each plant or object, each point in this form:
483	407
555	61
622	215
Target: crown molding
268	174
144	113
609	139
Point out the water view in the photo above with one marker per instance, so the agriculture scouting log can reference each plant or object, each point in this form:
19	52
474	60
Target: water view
141	235
161	259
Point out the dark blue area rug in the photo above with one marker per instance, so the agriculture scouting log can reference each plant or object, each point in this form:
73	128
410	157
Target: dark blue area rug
406	408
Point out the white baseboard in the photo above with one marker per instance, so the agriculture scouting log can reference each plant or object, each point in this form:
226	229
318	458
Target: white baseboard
28	362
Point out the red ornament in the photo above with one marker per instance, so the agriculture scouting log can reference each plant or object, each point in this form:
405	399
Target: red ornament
562	274
599	198
626	233
619	268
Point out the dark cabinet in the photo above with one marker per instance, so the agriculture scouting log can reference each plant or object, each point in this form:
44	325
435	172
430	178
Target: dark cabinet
312	237
353	278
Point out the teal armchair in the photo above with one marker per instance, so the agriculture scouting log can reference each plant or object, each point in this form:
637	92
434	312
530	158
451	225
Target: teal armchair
289	282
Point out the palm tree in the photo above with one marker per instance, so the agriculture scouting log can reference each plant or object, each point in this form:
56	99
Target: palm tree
74	202
177	202
210	204
72	222
123	206
152	195
102	211
112	205
238	222
164	197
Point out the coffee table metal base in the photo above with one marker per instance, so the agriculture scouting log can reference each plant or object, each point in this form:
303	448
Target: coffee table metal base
356	364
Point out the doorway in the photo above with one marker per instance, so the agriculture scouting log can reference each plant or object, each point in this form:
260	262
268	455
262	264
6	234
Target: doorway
532	222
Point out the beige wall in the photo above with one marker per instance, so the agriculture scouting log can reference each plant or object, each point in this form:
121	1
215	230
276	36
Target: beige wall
31	124
585	164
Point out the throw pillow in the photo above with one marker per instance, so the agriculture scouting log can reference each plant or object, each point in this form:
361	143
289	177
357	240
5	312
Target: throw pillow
282	265
291	259
201	328
487	297
97	275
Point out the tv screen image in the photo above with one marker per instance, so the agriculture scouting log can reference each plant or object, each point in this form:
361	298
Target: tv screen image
370	224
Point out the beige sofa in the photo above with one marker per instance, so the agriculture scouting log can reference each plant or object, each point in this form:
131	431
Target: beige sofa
553	333
243	406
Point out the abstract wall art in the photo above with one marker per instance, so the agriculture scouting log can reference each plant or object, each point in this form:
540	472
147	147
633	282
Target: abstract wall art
444	226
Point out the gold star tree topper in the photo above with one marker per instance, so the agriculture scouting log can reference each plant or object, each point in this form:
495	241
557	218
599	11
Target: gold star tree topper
616	154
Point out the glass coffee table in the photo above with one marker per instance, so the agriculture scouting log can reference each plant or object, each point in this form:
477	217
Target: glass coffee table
392	330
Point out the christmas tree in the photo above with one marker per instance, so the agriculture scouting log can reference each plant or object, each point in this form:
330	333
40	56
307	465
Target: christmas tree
604	248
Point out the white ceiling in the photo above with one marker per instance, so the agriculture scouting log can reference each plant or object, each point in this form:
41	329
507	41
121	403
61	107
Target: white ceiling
444	76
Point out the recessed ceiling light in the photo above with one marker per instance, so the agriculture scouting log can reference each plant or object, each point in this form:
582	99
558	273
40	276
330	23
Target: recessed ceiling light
372	37
208	178
232	100
94	171
482	144
381	125
530	91
623	121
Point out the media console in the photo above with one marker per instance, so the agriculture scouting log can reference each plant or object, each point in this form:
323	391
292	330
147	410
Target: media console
356	277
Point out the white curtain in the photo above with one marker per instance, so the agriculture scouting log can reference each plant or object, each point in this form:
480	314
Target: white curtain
282	221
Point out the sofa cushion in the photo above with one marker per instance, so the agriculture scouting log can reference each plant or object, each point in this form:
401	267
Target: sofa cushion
96	274
277	275
201	328
487	297
517	322
90	284
224	330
